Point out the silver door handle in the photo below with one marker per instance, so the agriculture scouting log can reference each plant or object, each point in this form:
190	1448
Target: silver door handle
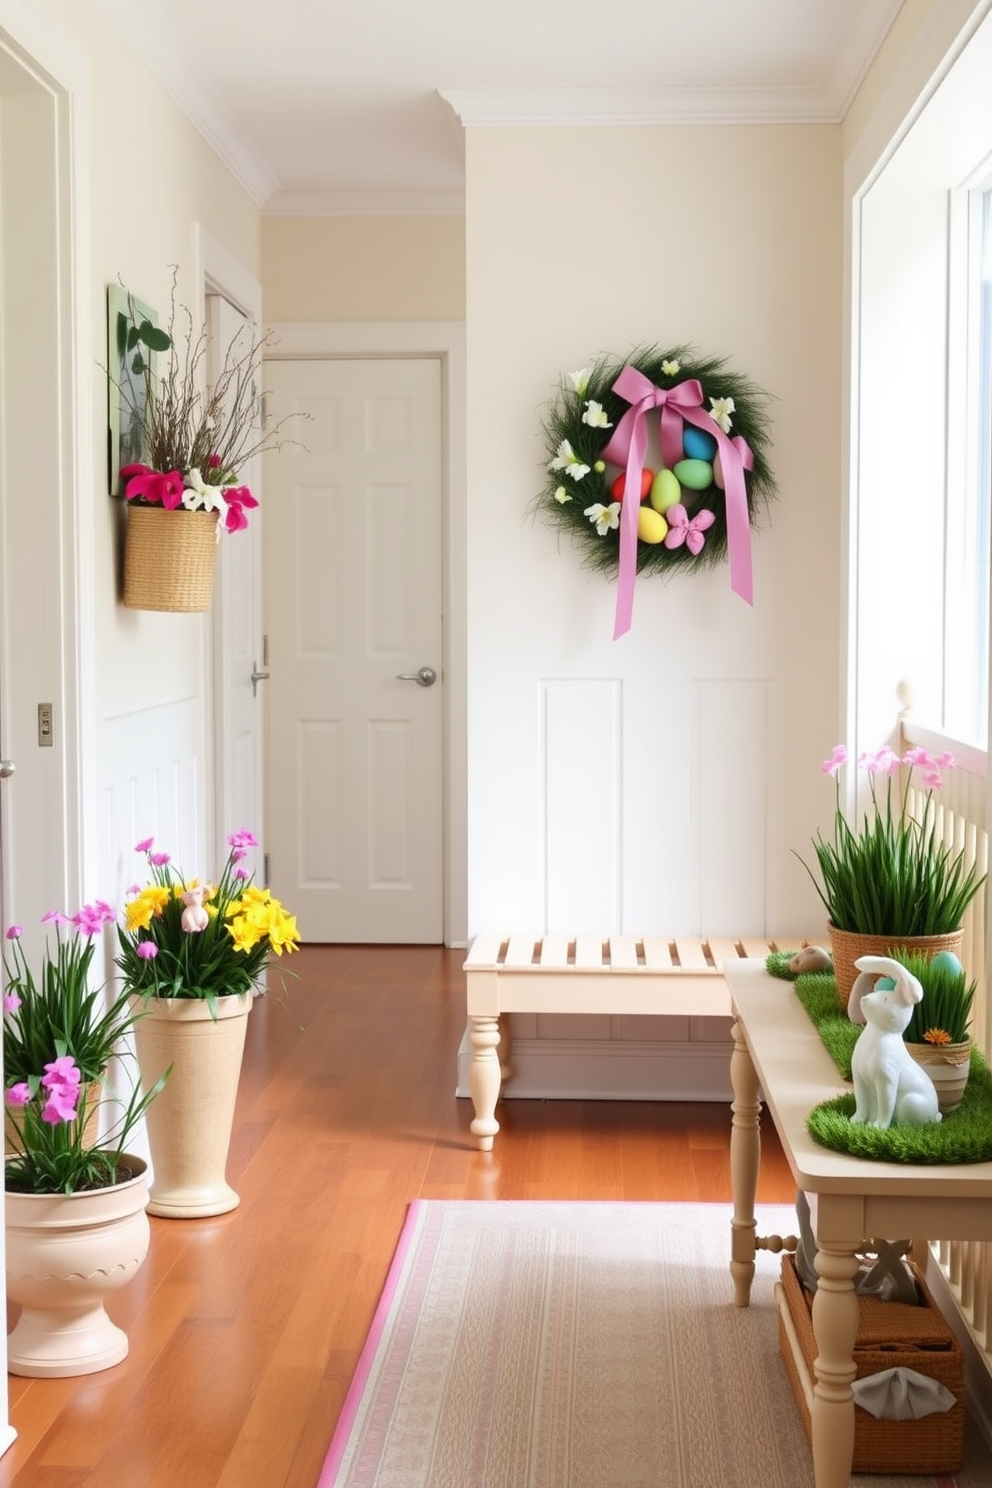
256	677
6	768
426	677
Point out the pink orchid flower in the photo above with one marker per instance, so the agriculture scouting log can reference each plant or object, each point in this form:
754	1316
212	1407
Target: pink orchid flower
19	1094
238	498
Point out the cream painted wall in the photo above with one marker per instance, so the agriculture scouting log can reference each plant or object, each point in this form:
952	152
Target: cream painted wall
152	177
694	757
363	268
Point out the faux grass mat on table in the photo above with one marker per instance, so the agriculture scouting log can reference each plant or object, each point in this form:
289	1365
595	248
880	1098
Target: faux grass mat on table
963	1136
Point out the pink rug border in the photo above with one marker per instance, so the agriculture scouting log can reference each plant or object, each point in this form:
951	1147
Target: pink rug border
349	1410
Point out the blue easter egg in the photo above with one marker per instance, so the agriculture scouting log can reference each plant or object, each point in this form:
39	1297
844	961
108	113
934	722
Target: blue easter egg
698	445
694	475
885	984
948	961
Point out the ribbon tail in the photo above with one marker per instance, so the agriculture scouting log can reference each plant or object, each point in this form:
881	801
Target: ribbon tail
738	522
628	530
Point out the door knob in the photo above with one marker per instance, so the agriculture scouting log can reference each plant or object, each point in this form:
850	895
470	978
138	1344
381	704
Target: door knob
6	768
426	677
256	677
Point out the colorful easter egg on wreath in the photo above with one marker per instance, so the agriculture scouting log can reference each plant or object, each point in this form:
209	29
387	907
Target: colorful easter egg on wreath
665	490
651	525
619	486
694	475
698	445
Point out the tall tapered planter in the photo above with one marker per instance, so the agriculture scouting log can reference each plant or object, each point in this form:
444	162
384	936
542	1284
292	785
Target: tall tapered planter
66	1255
190	1121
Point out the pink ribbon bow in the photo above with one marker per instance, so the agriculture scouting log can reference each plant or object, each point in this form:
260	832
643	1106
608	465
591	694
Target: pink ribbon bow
680	404
681	530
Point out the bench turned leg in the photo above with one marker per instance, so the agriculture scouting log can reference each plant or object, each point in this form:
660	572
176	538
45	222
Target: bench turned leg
484	1079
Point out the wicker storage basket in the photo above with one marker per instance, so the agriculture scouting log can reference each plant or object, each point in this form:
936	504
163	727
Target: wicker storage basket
847	945
169	559
891	1335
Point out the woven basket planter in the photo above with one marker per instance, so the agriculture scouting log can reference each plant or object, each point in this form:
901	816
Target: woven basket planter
169	559
847	945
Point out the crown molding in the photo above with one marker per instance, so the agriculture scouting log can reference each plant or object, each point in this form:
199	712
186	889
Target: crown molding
394	203
154	44
858	43
596	107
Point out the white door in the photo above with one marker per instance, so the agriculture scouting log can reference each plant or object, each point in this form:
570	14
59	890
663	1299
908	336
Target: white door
353	599
239	643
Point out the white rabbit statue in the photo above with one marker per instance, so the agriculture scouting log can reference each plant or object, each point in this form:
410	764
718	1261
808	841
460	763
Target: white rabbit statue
889	1086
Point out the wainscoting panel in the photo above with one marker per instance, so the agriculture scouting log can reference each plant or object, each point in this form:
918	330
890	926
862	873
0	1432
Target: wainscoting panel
582	791
730	805
152	784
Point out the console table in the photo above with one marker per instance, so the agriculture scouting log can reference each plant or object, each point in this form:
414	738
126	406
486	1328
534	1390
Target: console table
779	1059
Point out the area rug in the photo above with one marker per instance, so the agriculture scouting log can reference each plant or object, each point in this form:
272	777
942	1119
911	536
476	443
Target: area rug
577	1345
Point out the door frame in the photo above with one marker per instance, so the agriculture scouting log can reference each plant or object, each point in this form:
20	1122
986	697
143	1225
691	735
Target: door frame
445	341
217	272
46	53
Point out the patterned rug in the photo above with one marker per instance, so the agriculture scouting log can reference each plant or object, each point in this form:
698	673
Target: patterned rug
578	1345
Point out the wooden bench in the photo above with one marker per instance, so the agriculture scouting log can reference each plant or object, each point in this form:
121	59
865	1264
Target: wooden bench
587	974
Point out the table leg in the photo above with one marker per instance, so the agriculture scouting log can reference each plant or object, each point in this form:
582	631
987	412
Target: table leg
745	1159
835	1328
484	1079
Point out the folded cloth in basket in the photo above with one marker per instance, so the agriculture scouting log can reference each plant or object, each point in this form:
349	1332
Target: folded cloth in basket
901	1395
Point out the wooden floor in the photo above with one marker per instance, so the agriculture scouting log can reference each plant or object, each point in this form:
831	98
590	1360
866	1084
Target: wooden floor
244	1330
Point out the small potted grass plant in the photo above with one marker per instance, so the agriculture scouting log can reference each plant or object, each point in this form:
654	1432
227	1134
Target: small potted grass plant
937	1034
889	880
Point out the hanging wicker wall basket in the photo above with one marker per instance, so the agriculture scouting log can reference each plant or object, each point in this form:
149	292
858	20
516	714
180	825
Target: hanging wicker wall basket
169	559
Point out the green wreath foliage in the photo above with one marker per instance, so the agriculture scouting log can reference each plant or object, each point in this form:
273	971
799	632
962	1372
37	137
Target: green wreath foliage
565	500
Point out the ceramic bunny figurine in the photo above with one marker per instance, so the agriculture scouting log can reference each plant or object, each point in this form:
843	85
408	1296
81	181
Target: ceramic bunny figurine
194	916
889	1086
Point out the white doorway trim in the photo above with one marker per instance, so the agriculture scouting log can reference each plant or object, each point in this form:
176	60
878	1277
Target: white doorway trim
39	45
216	271
446	340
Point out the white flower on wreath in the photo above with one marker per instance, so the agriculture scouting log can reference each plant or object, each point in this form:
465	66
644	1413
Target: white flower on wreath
595	416
604	517
579	381
671	369
720	411
562	495
566	459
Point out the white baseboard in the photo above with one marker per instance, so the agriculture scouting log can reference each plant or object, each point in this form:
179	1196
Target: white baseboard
606	1069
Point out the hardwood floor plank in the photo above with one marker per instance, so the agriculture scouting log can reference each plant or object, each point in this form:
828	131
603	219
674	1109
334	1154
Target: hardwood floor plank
245	1329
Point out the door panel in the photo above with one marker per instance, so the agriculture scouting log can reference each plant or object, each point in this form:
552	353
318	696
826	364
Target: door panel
353	546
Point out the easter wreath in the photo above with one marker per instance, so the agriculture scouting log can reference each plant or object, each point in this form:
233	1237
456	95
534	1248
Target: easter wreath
699	464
